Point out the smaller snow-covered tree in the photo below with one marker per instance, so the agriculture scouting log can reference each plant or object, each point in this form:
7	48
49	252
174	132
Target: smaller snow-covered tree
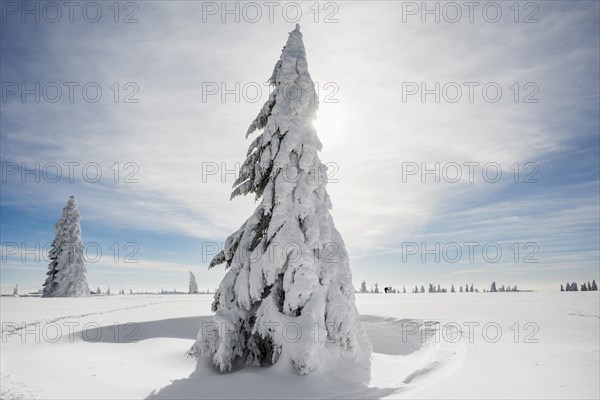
562	289
98	291
493	288
583	287
108	291
594	286
452	289
403	289
16	290
193	286
471	289
589	286
66	271
130	291
461	289
363	287
574	287
422	289
376	289
439	289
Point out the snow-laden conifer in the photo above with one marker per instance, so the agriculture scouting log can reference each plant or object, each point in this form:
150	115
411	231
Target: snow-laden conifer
193	286
363	287
66	271
287	263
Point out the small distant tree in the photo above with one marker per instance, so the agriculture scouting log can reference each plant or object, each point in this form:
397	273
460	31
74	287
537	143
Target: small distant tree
416	289
372	290
589	286
452	289
16	290
493	288
583	287
422	289
594	286
193	287
467	288
461	289
403	289
108	291
439	289
562	289
98	291
574	287
130	291
471	289
376	289
363	287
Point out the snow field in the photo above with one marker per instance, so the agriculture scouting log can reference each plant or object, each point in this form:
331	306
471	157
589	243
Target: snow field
133	346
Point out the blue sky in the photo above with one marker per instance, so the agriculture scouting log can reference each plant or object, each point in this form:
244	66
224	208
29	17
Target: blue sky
168	210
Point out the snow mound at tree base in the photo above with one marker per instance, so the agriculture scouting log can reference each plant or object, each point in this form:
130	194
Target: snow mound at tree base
404	358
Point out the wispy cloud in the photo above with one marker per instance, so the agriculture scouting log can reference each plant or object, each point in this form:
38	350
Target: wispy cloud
370	134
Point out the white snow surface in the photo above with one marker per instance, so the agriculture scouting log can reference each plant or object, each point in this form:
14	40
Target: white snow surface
136	347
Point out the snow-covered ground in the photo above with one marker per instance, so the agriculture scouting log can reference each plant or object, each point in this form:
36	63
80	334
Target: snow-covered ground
462	345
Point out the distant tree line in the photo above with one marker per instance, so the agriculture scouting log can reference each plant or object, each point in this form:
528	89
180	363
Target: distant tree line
437	289
572	287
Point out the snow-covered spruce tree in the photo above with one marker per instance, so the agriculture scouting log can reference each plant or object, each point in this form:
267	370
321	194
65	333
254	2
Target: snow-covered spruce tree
193	287
594	286
363	287
493	288
287	264
66	271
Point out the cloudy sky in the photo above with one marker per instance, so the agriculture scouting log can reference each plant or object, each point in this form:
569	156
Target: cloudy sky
462	142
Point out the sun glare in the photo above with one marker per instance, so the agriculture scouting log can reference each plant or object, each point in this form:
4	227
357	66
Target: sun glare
330	121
